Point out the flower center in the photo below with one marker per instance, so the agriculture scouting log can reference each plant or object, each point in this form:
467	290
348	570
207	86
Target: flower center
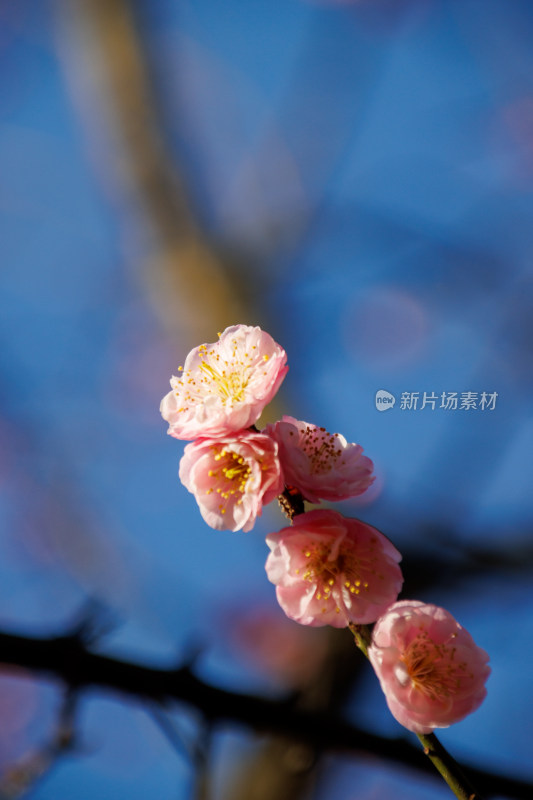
433	668
326	572
227	378
230	478
229	386
321	447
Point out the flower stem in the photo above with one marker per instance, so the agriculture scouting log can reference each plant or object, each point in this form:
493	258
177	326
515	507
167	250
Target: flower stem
448	767
362	636
433	749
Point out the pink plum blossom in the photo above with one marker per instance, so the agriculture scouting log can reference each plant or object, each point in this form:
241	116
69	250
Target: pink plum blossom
429	667
232	478
331	570
320	464
224	386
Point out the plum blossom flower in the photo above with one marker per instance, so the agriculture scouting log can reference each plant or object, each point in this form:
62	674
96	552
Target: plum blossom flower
331	570
232	478
320	464
429	667
224	386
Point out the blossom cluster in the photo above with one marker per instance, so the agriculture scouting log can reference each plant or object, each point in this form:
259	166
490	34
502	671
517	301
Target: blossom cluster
328	569
233	469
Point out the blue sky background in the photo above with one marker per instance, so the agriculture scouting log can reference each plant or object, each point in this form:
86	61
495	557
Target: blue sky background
364	172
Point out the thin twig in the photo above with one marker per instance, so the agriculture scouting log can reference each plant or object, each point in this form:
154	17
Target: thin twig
448	767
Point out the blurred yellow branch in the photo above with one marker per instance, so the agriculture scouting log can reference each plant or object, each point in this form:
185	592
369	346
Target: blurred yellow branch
105	65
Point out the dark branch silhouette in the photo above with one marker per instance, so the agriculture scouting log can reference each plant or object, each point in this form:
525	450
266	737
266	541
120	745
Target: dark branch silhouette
66	658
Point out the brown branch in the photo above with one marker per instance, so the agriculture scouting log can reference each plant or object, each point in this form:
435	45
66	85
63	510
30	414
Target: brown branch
67	659
291	503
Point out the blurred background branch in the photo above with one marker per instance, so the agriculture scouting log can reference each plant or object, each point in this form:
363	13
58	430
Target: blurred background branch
315	730
20	778
190	283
